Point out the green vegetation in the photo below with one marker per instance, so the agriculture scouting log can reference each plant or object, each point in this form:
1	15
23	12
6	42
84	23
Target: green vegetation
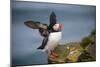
93	33
85	42
67	53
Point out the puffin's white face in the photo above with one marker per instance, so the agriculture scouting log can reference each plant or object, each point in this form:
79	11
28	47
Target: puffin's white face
57	27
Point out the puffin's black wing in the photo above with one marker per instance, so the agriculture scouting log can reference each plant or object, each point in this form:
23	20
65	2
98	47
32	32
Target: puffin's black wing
44	43
43	28
35	25
52	20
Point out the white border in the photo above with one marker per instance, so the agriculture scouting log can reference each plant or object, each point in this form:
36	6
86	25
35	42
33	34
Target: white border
83	2
4	33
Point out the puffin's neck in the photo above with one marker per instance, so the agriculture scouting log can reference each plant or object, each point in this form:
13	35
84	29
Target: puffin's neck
54	30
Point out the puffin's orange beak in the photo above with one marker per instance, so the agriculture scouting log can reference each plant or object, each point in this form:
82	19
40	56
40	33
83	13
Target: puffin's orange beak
61	26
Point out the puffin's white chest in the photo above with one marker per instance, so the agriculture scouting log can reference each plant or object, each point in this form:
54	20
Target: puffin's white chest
53	40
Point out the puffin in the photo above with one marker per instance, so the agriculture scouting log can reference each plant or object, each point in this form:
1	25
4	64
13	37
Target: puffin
51	34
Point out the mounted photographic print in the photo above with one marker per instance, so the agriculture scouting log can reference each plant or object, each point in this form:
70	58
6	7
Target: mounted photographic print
52	33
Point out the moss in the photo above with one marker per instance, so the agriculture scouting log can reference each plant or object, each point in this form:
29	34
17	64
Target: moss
85	42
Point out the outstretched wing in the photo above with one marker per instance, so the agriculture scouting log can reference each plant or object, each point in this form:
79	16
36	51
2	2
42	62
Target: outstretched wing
43	28
36	25
52	20
44	43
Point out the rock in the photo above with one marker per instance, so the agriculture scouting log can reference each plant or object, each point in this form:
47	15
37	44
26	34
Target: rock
85	57
67	53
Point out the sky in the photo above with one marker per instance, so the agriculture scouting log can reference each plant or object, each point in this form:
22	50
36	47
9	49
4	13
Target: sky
78	21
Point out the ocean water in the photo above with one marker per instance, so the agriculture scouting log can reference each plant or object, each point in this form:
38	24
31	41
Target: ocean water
78	21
